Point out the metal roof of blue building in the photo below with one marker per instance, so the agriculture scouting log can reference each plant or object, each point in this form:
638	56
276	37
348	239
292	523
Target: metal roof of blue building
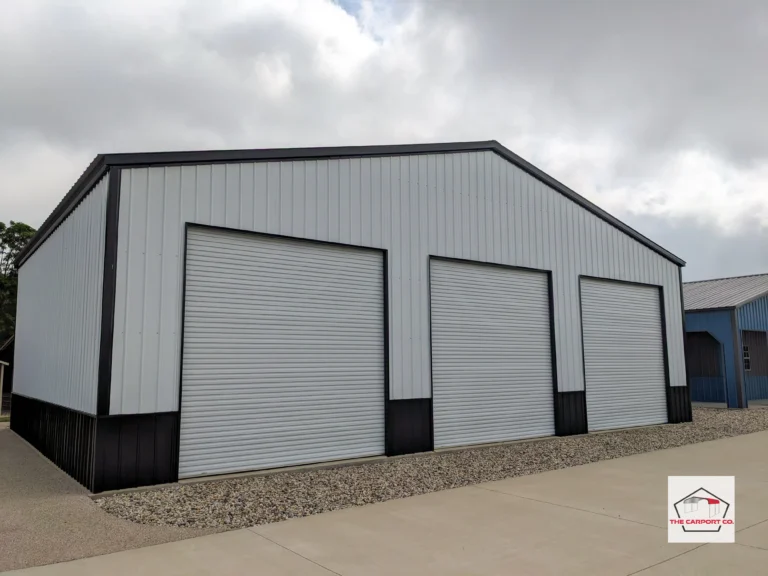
724	292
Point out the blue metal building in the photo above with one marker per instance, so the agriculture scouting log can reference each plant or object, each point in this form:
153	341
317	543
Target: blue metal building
726	323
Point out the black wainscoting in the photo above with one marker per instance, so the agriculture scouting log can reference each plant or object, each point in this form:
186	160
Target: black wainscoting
679	404
409	426
101	452
570	413
136	450
64	436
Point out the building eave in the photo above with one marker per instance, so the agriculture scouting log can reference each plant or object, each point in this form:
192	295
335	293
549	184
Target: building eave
103	162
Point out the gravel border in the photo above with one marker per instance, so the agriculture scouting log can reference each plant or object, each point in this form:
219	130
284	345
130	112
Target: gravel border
249	501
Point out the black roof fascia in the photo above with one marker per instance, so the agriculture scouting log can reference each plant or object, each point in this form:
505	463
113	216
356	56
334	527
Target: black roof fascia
95	172
276	154
133	160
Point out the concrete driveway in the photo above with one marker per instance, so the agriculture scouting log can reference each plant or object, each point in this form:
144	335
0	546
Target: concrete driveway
603	518
45	516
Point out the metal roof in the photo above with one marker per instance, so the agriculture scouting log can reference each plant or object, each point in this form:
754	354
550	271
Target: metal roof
103	162
724	292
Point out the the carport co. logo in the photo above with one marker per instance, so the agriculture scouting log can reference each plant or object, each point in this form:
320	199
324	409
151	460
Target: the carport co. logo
701	509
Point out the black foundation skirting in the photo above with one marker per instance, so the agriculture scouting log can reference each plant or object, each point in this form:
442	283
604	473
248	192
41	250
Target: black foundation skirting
409	426
570	413
101	452
679	404
136	450
64	436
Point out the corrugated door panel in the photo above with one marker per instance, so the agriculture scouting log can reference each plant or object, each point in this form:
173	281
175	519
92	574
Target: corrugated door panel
623	355
491	358
283	353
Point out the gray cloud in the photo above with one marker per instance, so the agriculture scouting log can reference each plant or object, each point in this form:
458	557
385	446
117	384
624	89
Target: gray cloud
659	75
708	255
653	109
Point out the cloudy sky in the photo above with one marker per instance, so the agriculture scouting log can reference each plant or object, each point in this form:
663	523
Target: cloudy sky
655	110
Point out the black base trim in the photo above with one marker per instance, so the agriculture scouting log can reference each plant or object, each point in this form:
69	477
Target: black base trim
136	450
409	426
570	413
65	436
101	452
679	404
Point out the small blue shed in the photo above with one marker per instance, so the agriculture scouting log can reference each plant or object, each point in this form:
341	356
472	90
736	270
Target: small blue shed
726	324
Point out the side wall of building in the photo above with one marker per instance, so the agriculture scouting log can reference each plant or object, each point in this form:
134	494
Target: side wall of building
720	326
475	206
706	375
753	317
58	318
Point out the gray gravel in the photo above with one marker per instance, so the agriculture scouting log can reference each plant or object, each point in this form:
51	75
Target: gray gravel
242	502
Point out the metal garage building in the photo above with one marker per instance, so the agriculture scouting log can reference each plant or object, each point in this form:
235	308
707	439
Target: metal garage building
727	343
196	313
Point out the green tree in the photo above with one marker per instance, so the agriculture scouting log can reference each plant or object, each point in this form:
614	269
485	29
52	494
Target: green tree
13	237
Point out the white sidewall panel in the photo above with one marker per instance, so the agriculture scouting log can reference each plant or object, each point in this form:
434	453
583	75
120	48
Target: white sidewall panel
491	354
623	355
473	206
58	313
283	359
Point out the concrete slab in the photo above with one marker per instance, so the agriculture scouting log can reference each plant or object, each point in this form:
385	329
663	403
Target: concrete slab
597	519
715	560
238	552
45	516
756	536
629	488
472	531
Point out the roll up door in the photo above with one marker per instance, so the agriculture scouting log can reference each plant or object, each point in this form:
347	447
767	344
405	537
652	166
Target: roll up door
623	354
491	355
283	359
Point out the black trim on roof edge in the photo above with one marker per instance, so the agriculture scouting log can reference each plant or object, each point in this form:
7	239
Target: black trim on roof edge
102	162
95	172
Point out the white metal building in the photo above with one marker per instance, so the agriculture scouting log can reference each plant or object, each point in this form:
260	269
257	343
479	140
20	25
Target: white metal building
194	313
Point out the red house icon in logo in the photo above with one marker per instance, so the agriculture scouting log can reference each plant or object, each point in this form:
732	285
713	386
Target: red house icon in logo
701	506
691	505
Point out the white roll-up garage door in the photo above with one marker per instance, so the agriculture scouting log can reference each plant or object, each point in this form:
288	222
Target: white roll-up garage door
491	355
623	355
283	359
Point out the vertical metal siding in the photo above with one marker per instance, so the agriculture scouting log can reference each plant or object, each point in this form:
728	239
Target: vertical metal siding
705	367
704	355
58	322
718	324
756	380
754	316
465	205
758	351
